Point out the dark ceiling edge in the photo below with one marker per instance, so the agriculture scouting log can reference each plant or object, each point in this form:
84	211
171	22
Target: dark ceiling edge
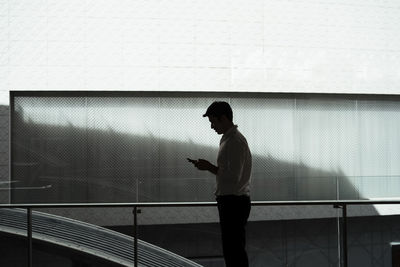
184	94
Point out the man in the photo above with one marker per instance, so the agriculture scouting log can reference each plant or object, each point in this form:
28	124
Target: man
232	172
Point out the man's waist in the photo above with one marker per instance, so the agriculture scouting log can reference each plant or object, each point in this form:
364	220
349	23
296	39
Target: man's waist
225	197
235	190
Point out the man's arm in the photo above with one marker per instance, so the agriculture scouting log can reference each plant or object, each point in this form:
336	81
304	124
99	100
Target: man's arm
205	165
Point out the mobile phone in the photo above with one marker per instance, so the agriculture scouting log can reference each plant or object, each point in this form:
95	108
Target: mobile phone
191	160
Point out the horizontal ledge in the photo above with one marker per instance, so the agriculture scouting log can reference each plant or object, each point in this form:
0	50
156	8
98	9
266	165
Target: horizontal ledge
201	204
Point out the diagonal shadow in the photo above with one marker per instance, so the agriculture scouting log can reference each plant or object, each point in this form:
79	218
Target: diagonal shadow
76	165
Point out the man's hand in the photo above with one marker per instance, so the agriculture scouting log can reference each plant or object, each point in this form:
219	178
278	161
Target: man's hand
204	165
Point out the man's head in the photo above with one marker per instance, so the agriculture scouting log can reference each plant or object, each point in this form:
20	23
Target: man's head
218	109
220	116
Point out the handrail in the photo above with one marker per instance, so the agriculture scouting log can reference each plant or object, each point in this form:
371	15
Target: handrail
201	204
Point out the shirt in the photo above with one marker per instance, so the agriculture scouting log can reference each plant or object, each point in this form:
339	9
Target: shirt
234	164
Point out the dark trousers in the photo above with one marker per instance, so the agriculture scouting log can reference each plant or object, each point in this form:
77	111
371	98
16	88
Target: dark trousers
233	214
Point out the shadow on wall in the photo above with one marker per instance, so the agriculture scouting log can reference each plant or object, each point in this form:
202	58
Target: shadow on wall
66	164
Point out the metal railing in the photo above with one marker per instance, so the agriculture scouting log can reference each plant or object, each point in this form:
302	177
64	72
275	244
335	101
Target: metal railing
338	204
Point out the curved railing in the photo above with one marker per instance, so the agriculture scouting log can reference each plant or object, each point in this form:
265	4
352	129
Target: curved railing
87	238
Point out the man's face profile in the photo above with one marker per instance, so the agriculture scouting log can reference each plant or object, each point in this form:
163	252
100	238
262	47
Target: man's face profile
216	124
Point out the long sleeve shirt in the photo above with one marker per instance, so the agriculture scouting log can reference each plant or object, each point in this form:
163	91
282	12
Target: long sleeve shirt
234	164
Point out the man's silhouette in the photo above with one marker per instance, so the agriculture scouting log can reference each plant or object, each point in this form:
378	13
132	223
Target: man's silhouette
232	172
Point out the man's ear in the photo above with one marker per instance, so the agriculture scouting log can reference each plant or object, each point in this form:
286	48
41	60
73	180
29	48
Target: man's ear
223	118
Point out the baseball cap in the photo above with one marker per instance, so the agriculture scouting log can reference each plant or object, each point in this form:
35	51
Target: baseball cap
219	108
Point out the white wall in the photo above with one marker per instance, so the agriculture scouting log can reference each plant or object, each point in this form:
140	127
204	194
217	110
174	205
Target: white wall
349	46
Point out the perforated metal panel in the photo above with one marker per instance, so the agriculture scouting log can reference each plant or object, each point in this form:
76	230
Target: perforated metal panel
132	147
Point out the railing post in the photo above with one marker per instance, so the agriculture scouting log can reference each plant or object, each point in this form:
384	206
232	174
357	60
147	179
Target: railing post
29	234
135	241
343	234
344	223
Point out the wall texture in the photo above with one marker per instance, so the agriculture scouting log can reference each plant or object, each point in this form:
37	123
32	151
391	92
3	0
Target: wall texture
254	45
